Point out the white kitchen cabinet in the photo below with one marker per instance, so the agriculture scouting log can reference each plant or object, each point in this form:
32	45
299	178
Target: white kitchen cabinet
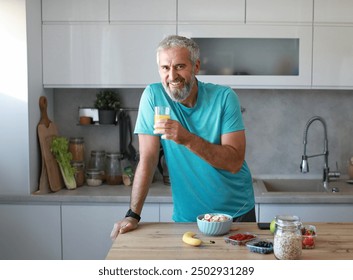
166	212
333	57
279	11
333	11
86	228
101	55
30	232
307	212
142	10
333	44
75	10
211	11
247	60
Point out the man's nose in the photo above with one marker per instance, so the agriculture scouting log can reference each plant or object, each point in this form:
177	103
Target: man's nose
172	74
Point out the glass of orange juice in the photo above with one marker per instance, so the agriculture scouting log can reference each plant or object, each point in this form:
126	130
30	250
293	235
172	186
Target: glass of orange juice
161	113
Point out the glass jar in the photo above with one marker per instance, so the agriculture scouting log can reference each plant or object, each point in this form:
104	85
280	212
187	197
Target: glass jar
76	148
93	177
97	161
287	243
79	173
127	172
113	169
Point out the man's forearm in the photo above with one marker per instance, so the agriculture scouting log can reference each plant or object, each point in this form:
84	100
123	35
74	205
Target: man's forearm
142	181
224	156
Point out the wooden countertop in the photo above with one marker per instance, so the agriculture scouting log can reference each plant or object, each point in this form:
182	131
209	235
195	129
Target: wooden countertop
163	241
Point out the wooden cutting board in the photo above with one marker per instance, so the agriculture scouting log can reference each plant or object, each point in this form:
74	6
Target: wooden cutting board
50	174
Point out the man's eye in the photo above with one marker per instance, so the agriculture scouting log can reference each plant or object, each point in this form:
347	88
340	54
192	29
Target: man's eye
179	67
165	68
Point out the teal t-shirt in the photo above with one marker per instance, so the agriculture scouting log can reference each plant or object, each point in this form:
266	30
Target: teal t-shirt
198	187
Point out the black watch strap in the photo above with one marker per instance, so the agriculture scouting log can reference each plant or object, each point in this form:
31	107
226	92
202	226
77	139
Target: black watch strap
132	214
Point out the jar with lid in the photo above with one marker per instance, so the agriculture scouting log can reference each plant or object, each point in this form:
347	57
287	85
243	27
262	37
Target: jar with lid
287	243
93	177
113	169
76	148
97	161
79	172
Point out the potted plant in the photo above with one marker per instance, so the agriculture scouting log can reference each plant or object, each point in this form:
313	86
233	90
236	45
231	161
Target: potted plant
108	103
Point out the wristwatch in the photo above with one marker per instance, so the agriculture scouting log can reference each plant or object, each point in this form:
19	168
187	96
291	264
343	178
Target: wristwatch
132	214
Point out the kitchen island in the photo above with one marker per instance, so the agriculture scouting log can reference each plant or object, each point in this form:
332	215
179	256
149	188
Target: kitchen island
163	241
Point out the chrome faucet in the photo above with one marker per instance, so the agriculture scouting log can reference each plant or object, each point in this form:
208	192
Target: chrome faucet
304	166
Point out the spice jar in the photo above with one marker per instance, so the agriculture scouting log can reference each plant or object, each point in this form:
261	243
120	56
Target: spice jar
93	177
113	169
287	243
97	161
79	172
76	148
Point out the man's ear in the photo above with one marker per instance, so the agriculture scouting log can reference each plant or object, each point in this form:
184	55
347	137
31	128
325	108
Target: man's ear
197	67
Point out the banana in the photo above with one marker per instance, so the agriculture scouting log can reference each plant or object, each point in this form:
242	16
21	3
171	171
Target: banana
189	238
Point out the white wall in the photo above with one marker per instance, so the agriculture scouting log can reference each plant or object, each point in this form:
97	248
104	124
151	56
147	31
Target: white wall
20	88
14	148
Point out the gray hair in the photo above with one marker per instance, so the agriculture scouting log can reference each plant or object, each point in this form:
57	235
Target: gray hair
175	41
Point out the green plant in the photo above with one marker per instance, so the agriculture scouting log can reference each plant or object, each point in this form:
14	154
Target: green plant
60	149
107	100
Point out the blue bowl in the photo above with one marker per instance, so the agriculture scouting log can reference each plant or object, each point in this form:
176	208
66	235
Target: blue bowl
214	228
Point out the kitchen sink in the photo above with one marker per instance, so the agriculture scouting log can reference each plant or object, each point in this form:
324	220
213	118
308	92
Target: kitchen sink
293	185
305	186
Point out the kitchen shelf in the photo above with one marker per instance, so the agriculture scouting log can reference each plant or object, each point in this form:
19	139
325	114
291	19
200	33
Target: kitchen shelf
98	124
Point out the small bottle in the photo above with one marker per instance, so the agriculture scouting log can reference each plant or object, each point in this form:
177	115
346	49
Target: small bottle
97	161
113	169
76	148
79	173
93	177
287	243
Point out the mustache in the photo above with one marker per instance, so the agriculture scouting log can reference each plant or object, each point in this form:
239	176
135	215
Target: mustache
179	79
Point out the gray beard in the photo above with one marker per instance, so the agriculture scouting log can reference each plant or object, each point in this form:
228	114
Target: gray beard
179	95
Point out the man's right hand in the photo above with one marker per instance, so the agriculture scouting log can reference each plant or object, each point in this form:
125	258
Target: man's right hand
126	225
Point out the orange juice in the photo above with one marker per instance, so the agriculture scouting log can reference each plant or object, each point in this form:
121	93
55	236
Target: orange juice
161	113
161	117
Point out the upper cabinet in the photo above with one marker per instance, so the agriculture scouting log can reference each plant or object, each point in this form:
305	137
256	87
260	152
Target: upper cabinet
333	44
279	11
142	10
253	56
211	11
333	11
82	51
97	55
75	10
244	43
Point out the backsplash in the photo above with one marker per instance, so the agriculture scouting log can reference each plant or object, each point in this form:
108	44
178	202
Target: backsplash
274	121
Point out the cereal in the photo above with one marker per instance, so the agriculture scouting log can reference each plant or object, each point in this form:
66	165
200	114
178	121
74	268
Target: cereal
287	246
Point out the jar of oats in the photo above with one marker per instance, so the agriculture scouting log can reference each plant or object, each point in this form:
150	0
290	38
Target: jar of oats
287	244
93	177
97	161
